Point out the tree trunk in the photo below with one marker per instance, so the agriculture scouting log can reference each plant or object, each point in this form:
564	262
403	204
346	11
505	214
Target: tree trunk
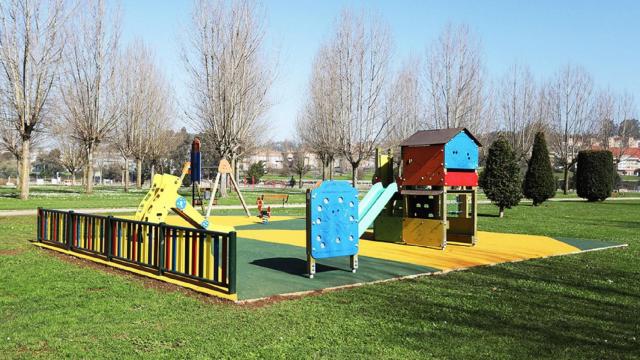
18	172
300	180
73	178
354	175
25	169
153	171
224	185
324	171
330	169
125	175
565	186
236	173
139	173
224	182
88	185
501	211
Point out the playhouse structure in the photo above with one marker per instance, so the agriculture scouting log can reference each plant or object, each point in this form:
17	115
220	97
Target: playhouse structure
437	200
436	165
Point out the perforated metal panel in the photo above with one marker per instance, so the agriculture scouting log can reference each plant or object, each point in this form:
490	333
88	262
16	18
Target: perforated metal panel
333	220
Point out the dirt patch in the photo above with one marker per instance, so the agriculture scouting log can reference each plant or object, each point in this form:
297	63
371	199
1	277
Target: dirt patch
11	252
256	304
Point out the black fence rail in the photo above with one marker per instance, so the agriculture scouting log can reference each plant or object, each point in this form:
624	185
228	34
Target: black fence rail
197	255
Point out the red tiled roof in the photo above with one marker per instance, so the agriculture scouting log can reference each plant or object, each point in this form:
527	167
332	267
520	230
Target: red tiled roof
632	152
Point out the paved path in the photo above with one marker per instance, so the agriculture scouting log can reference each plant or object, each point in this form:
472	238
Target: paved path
32	212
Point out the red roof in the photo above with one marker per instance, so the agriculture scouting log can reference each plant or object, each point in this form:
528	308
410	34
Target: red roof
631	152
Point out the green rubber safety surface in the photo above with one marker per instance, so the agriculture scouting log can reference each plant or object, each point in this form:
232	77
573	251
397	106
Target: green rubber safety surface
266	269
291	224
585	244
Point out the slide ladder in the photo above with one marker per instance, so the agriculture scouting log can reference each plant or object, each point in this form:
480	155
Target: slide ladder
163	196
373	203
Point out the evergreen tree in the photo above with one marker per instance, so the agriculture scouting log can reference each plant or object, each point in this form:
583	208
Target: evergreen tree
539	183
595	174
500	179
256	171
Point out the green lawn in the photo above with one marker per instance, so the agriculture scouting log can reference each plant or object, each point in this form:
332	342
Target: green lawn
581	306
63	197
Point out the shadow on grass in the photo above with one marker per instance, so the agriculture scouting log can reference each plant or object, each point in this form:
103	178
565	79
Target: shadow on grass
293	266
488	215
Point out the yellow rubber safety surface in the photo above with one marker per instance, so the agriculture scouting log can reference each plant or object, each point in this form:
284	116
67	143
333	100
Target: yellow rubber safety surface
219	223
491	248
205	290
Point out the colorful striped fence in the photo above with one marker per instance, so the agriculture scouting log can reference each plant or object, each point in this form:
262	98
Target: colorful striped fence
197	255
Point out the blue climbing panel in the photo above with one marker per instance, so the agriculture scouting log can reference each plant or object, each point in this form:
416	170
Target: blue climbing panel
461	153
332	222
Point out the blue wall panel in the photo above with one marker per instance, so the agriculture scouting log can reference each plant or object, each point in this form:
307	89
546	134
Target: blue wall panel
334	220
461	152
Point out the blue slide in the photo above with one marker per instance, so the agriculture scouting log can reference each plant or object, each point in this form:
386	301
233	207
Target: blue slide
373	203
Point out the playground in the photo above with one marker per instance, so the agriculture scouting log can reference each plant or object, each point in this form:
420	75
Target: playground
418	221
272	260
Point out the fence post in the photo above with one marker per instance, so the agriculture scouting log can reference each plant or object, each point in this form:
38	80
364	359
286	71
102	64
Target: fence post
161	248
109	240
69	231
39	225
232	262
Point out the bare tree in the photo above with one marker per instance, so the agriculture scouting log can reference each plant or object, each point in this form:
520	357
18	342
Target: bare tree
72	155
571	108
604	117
296	159
520	109
89	94
10	139
454	81
405	107
317	124
162	146
128	132
229	76
625	111
31	45
162	139
145	99
612	112
360	50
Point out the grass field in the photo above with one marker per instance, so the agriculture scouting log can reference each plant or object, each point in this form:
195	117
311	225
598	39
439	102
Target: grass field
64	197
582	306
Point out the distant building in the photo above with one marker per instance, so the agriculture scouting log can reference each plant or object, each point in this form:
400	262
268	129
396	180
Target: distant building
629	163
618	141
277	160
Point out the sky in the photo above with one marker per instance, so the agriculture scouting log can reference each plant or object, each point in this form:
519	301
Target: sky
601	36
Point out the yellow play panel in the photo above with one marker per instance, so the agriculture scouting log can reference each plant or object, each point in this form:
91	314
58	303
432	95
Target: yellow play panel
492	248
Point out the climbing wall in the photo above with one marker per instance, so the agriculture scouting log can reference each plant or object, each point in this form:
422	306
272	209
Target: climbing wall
332	220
